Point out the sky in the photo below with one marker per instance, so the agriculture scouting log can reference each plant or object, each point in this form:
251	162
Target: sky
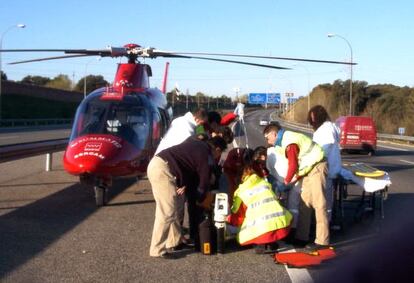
380	33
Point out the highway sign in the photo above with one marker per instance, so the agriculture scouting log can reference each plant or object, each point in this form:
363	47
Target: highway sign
273	98
257	98
291	100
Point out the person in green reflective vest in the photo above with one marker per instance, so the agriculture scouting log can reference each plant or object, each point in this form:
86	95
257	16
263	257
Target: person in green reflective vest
261	219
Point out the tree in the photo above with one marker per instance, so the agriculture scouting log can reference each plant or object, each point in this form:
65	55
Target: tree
3	76
200	98
92	82
60	82
35	80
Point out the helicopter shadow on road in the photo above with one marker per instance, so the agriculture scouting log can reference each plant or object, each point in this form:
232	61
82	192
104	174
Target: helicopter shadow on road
28	230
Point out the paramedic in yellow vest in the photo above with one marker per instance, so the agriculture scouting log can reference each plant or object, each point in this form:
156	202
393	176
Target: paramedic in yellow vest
257	212
306	162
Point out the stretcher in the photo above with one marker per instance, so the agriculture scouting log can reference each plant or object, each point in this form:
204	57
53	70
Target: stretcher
372	184
304	259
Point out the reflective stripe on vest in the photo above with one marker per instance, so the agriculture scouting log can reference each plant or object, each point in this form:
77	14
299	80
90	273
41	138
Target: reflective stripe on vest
257	190
263	201
262	219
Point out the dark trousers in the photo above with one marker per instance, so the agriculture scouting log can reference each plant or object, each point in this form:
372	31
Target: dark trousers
195	217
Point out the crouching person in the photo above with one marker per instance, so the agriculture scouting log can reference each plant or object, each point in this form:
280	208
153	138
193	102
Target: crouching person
183	168
257	212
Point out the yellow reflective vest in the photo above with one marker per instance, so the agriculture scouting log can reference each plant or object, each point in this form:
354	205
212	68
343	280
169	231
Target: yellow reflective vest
310	153
264	212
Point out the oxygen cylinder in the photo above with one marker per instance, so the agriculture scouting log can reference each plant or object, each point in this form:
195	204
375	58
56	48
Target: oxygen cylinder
205	227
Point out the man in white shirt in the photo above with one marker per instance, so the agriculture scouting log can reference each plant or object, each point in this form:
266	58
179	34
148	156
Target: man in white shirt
181	128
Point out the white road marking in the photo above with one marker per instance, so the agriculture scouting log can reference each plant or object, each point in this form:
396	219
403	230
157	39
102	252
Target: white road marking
406	161
297	275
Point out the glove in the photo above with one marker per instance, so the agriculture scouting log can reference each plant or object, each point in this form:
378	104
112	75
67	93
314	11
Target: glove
281	187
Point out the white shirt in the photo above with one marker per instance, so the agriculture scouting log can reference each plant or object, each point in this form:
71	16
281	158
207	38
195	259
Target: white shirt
327	136
239	111
276	163
181	128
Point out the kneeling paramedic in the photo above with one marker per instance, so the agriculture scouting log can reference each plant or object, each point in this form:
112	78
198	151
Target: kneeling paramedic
256	210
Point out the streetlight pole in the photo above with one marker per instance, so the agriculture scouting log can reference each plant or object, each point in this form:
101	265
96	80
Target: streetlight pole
1	47
350	83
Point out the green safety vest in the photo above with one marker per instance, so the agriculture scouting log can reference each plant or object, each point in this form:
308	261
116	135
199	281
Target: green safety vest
263	214
310	153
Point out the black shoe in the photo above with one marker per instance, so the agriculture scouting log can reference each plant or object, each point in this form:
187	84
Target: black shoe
314	247
179	247
168	256
188	242
296	242
271	248
259	249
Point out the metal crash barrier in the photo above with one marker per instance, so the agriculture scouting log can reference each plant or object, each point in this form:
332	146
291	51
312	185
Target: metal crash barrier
24	150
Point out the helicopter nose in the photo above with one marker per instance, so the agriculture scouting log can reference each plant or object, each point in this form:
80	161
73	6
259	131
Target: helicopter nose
88	166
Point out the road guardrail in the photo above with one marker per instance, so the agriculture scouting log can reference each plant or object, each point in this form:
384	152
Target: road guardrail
19	151
7	123
306	128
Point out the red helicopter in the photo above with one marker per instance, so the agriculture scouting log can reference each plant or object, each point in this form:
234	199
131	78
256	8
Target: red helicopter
117	129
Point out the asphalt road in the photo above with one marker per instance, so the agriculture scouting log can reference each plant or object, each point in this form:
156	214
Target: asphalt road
51	231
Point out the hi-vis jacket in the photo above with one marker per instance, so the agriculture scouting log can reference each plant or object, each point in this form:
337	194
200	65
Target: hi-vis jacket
263	213
310	153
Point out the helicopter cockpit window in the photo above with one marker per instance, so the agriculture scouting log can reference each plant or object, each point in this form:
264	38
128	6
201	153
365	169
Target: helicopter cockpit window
129	123
92	119
128	119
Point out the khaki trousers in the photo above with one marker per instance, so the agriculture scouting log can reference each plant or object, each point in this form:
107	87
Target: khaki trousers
313	196
166	232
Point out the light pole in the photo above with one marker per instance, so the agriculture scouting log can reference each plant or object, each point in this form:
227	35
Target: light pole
350	83
308	74
84	78
289	96
1	47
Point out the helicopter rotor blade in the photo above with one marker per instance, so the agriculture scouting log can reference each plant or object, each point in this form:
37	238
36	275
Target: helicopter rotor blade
153	53
257	57
227	61
49	58
33	50
110	51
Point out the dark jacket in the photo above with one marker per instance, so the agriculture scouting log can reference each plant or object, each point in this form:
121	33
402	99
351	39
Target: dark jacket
191	162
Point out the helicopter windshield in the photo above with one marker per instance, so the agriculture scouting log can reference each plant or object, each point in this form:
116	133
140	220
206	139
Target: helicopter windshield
128	119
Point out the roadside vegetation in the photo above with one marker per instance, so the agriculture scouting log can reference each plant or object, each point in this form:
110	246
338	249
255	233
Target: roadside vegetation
390	106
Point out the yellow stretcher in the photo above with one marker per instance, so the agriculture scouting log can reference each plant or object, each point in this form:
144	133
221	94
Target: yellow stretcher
364	170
